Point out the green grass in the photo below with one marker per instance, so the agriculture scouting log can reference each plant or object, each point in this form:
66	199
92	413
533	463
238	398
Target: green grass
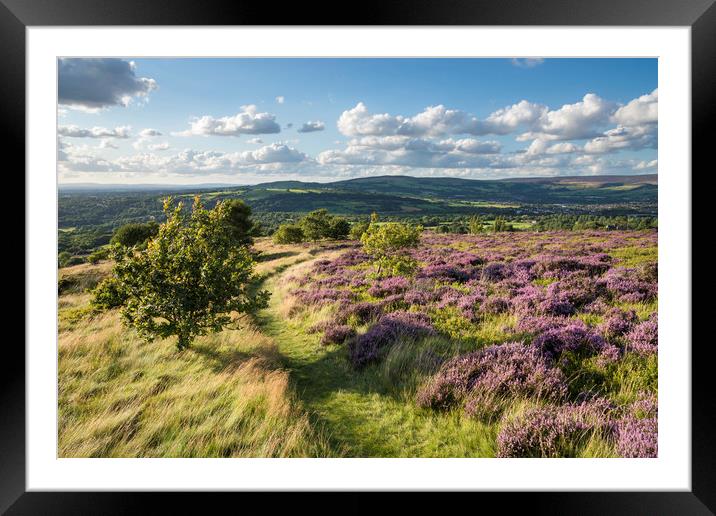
272	390
227	396
635	256
368	413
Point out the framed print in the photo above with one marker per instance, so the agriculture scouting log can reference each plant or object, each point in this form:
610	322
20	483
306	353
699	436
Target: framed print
432	249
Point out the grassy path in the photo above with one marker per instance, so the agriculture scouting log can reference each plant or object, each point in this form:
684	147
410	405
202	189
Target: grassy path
362	412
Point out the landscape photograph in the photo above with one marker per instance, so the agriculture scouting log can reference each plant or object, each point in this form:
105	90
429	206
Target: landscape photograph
357	257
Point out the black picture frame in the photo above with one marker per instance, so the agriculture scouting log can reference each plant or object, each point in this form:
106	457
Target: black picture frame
700	15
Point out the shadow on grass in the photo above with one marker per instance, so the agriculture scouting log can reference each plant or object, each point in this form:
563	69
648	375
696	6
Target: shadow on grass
267	257
223	359
345	402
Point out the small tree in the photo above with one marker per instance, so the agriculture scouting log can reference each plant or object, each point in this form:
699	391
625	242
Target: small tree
239	219
388	245
133	234
338	229
357	230
475	225
288	234
189	278
316	225
502	225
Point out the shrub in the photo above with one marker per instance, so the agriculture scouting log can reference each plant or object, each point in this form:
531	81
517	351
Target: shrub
357	230
288	234
554	431
644	337
513	369
337	334
397	325
319	224
637	432
99	254
389	286
571	337
65	259
388	245
617	322
134	234
109	294
338	229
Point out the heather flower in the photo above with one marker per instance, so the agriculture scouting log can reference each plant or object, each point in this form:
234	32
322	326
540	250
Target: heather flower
323	296
637	431
527	300
494	272
444	272
538	324
418	297
362	312
556	305
637	437
553	431
397	325
507	369
628	285
577	289
644	337
597	307
573	336
617	322
337	334
389	286
494	305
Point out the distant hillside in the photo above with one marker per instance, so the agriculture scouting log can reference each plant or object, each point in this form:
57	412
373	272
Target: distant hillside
557	190
403	196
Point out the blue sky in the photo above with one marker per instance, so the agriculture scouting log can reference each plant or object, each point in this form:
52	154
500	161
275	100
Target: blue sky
238	120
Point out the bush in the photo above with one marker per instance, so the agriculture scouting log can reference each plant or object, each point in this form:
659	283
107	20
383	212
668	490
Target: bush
99	254
288	234
406	325
134	234
389	245
554	431
337	334
357	230
108	294
65	259
319	224
512	369
338	229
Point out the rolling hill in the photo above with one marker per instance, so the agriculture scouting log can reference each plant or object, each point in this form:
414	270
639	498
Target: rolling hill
387	195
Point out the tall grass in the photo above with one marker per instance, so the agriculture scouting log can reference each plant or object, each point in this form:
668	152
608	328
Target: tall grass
227	396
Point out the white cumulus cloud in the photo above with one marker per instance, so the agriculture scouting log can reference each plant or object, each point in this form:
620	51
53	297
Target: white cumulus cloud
248	121
73	131
311	127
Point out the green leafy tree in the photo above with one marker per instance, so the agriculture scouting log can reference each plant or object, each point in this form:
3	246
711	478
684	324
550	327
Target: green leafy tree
389	244
316	225
320	224
338	229
240	222
133	234
502	225
188	280
357	230
474	226
288	234
98	254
